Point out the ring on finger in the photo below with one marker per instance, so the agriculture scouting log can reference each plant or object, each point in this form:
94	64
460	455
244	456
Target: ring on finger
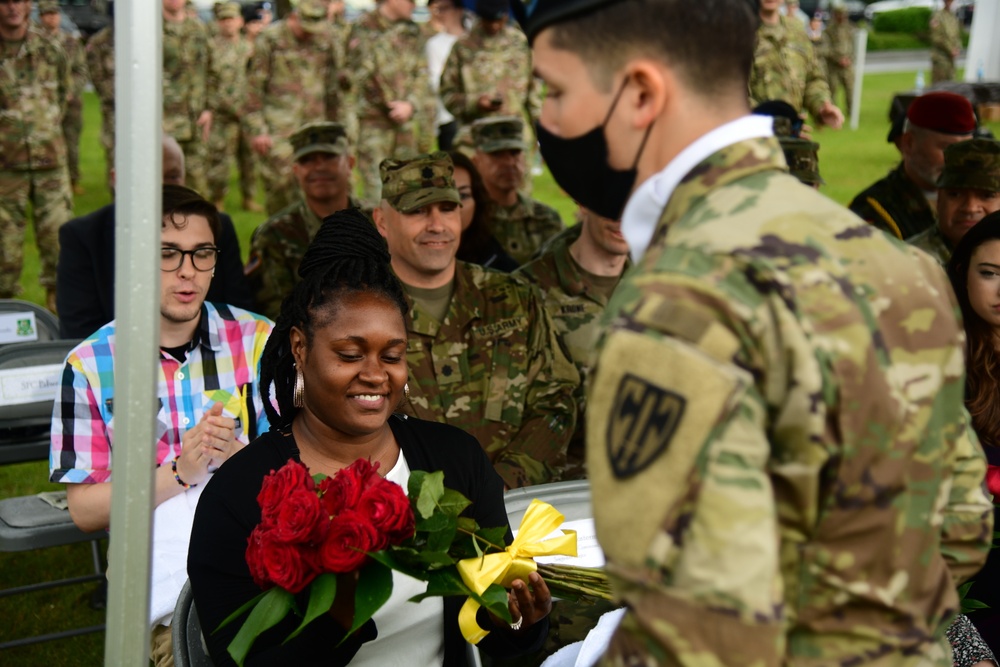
517	624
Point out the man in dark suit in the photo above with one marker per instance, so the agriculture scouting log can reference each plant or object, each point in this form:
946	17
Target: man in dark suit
85	275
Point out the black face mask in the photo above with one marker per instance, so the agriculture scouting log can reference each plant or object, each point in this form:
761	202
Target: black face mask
580	167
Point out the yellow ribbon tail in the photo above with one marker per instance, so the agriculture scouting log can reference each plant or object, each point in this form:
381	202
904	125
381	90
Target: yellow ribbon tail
467	622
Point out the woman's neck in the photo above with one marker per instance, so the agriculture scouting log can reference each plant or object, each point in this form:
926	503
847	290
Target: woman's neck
324	450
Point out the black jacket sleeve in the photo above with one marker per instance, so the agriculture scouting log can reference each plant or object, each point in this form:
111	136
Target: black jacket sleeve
78	288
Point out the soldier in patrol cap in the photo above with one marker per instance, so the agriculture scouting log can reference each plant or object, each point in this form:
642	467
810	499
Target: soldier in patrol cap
968	191
782	464
322	163
482	352
521	224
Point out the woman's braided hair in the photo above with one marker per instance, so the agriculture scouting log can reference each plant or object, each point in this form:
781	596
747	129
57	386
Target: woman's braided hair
347	256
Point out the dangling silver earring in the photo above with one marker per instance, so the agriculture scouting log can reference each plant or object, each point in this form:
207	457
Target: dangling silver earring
406	391
298	396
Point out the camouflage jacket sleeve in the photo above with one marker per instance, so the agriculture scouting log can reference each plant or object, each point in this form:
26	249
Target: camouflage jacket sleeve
259	75
334	90
536	454
817	91
270	276
78	66
966	530
452	89
199	89
103	80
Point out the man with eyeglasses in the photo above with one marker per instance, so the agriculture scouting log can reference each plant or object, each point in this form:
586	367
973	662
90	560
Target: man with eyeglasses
34	88
209	406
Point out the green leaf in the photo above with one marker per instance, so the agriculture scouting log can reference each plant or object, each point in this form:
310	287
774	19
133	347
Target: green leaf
452	502
436	558
475	545
431	490
408	566
495	599
322	592
318	477
969	605
242	610
441	540
443	583
268	613
374	589
435	522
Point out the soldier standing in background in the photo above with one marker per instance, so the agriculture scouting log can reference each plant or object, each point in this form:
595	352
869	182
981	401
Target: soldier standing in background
785	68
185	114
946	43
488	72
253	23
51	16
34	88
101	63
521	224
392	94
292	81
228	56
838	50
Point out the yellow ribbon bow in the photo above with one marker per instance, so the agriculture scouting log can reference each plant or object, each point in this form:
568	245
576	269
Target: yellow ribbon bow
517	562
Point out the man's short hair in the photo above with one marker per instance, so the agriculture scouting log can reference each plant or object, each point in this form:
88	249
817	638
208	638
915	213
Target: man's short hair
709	43
180	202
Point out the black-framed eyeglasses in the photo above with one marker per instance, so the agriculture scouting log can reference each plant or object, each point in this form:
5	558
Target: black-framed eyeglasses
203	258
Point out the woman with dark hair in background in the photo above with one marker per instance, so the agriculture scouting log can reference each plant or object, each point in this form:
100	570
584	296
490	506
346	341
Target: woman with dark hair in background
478	245
336	364
974	270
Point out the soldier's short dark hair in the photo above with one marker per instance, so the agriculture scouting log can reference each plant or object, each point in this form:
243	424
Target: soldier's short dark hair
180	202
710	43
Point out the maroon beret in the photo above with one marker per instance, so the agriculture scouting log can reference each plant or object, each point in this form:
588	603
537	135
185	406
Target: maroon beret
949	113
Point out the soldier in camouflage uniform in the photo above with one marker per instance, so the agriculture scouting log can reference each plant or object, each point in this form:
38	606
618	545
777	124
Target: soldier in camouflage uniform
101	63
968	191
482	351
786	68
228	55
781	461
488	72
292	81
901	203
394	103
185	111
322	167
50	16
946	43
838	50
802	157
521	224
34	87
253	23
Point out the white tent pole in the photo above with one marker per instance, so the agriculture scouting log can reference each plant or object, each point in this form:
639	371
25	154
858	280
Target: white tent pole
984	47
860	54
138	156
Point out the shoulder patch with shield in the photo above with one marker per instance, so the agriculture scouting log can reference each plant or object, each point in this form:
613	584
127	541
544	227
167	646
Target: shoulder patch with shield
641	425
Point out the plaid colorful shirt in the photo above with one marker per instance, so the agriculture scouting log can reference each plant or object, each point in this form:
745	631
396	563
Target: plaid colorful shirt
221	366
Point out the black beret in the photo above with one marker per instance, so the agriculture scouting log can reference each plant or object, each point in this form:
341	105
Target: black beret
491	10
533	15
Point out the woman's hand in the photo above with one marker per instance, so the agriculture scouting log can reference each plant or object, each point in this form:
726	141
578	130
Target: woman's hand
528	605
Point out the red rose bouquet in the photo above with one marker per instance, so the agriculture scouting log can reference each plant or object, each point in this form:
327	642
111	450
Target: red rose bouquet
313	528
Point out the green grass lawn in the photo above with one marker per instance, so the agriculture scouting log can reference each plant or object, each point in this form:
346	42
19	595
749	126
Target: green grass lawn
849	161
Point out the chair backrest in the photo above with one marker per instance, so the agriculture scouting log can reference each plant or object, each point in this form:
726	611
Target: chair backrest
16	322
571	498
189	647
30	374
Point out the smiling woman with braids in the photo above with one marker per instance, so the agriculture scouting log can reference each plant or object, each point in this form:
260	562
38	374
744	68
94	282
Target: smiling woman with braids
337	364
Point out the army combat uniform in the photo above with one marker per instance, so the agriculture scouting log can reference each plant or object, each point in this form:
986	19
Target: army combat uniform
34	86
227	81
777	434
73	119
837	45
523	228
185	53
786	68
101	63
493	368
896	205
946	38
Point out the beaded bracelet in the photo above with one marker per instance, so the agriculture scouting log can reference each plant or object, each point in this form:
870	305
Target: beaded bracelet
173	466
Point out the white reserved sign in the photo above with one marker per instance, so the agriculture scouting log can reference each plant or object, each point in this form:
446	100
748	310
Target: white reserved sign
18	327
30	384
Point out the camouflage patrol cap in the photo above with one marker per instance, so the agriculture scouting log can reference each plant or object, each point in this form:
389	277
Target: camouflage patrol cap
228	10
319	137
972	165
498	133
802	157
409	184
48	6
312	15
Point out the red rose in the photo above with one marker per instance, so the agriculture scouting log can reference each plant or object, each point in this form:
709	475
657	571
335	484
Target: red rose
291	566
300	518
342	491
277	486
386	506
367	472
255	556
349	536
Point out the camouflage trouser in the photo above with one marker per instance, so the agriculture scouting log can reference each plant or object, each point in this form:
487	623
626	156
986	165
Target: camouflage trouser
247	161
280	188
569	622
108	140
376	143
72	126
48	191
223	144
942	68
194	163
841	76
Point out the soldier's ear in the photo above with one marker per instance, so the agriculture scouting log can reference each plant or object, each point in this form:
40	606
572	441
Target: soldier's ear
379	217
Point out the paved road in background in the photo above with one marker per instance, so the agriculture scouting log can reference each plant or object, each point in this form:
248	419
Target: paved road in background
902	61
